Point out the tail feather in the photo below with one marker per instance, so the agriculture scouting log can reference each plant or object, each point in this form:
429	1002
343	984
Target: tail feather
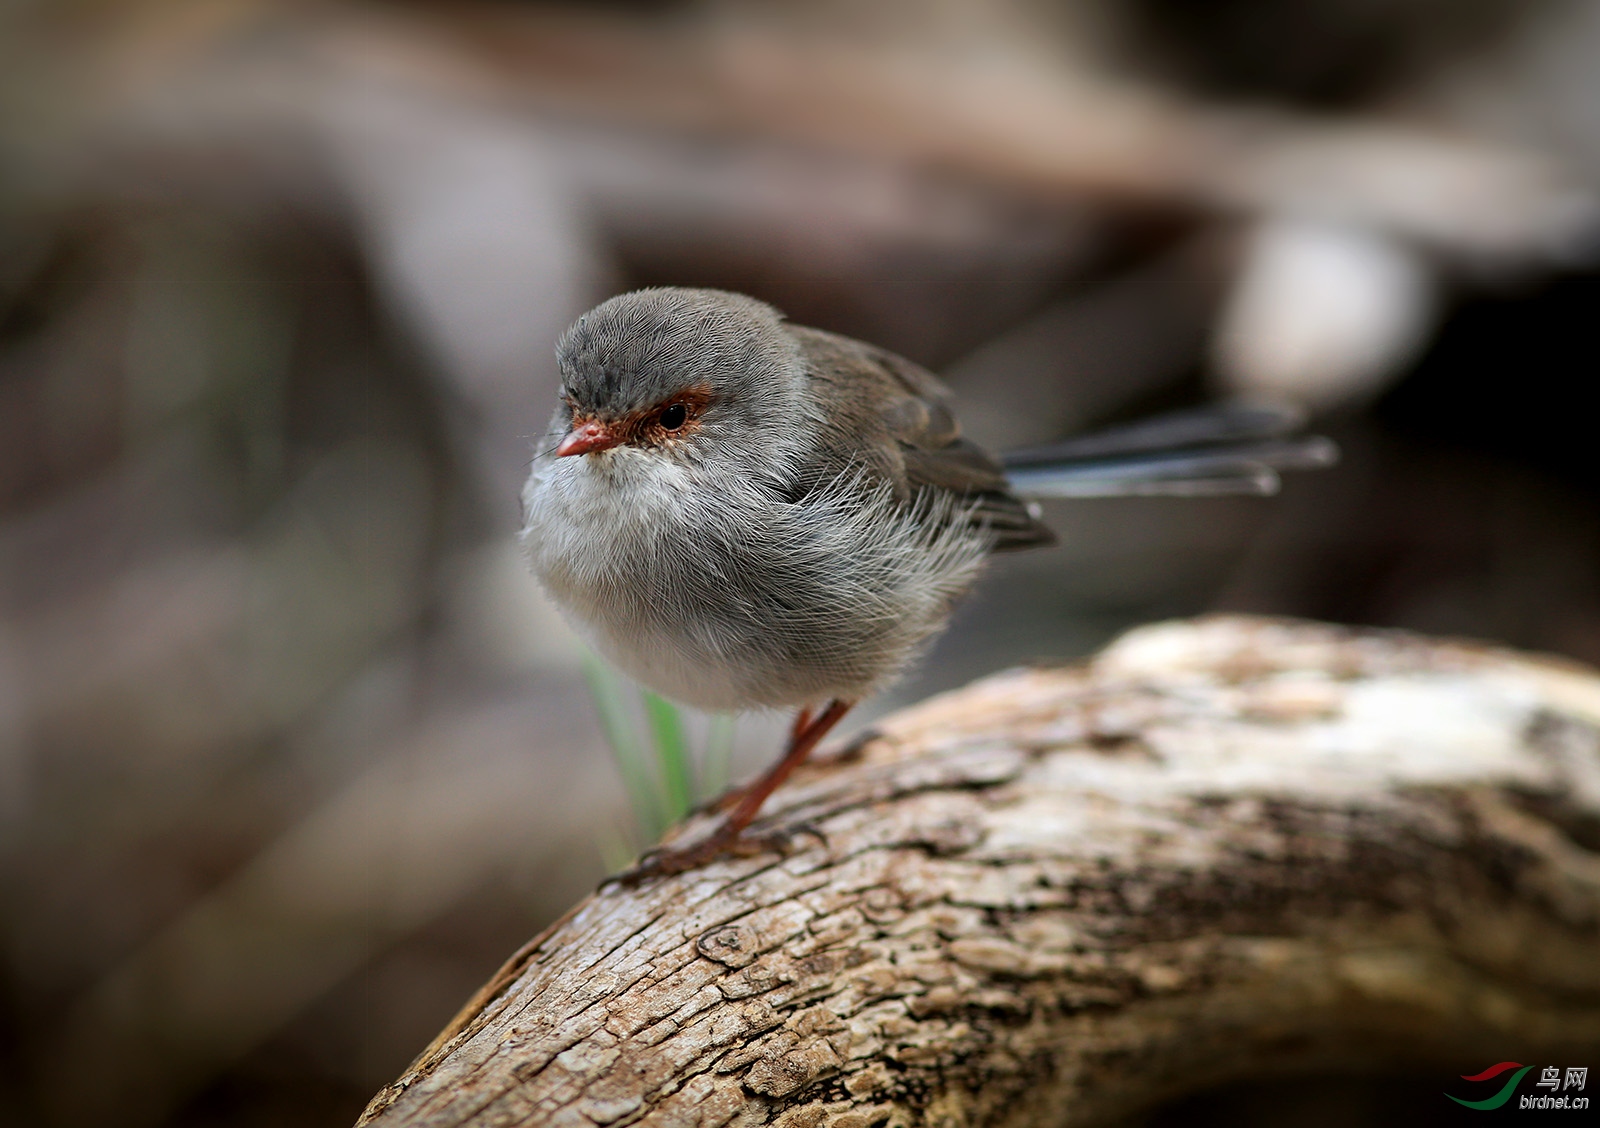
1226	449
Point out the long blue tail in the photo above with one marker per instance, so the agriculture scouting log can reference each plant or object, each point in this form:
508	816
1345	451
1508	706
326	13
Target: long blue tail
1220	449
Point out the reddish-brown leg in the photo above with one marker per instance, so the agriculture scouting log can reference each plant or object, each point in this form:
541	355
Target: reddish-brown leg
806	735
730	798
802	740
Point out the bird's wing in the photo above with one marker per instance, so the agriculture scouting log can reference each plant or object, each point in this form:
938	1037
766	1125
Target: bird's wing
882	395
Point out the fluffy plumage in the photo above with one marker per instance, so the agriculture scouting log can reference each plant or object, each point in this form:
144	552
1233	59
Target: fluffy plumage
800	539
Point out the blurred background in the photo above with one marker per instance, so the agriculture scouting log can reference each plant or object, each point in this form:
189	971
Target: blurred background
292	752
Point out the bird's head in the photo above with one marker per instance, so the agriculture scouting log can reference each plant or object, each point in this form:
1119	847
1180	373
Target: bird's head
675	373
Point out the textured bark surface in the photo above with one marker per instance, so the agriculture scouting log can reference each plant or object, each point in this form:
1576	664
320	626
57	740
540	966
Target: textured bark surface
1222	848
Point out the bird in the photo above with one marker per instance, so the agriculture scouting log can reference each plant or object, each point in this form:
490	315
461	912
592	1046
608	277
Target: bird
743	513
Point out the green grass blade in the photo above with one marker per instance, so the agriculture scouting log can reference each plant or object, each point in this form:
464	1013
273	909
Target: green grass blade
672	755
716	764
650	806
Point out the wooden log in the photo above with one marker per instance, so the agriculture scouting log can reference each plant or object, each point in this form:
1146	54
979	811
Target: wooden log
1220	849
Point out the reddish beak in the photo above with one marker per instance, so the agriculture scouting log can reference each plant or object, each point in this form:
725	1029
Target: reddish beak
585	437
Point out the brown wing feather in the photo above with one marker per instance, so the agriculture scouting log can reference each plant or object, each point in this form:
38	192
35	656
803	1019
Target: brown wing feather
894	415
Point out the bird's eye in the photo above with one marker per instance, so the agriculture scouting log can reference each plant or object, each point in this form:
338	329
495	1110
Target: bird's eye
674	417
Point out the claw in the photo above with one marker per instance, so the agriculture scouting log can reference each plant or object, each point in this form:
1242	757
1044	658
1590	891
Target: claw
746	802
665	863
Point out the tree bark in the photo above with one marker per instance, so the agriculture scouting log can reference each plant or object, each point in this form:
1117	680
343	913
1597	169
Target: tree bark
1220	849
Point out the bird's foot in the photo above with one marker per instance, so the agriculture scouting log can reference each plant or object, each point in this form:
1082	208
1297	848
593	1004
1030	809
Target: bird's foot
730	838
720	844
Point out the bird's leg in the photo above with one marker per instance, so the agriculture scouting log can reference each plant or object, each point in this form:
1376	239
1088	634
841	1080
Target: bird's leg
730	798
805	736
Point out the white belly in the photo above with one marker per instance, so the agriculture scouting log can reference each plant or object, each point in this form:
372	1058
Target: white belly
727	599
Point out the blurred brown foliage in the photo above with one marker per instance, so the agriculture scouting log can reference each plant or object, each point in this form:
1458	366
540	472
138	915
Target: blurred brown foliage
291	751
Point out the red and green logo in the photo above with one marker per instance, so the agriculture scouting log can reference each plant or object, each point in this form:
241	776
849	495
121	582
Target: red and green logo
1506	1090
